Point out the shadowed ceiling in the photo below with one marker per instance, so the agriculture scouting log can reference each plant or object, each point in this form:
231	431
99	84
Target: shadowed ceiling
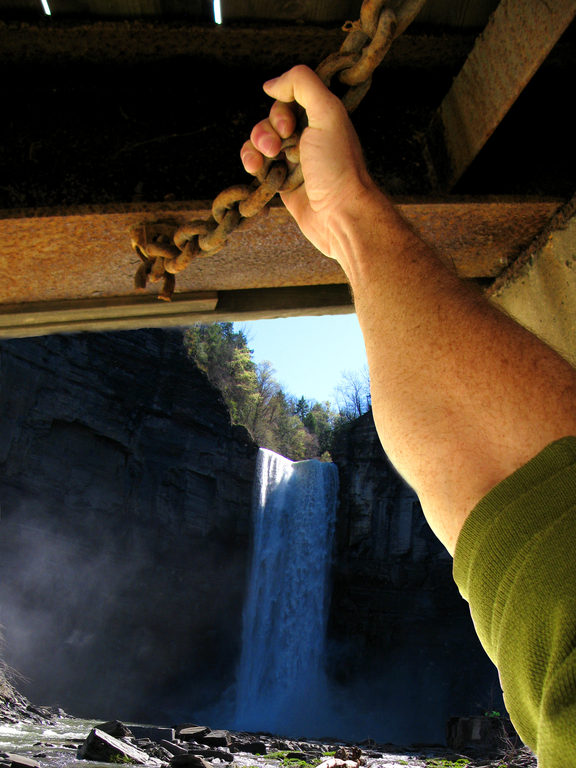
130	112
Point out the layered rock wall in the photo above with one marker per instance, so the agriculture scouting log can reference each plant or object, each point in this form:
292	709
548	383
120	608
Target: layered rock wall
125	524
402	641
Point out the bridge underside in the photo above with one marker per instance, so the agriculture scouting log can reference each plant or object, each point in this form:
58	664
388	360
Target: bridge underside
109	125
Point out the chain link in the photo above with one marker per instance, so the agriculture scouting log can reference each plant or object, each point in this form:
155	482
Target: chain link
166	250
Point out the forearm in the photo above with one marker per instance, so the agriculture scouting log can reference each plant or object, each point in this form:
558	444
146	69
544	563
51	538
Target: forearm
462	395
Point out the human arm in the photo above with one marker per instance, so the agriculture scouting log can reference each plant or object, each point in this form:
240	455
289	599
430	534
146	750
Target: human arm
462	395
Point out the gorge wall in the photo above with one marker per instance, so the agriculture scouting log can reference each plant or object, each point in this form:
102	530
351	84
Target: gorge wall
401	638
124	525
125	535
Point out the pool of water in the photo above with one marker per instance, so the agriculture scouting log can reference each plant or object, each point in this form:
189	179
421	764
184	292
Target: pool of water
52	746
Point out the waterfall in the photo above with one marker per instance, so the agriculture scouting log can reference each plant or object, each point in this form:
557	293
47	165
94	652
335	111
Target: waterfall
280	676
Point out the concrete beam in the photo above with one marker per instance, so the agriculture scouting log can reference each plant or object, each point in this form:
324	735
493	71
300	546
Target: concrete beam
539	290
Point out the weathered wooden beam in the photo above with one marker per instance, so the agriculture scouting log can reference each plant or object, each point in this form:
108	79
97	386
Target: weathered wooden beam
515	42
107	142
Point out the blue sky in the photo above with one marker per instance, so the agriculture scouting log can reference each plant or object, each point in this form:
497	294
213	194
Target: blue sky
309	354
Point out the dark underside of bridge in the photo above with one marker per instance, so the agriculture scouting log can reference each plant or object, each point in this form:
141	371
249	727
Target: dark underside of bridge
109	123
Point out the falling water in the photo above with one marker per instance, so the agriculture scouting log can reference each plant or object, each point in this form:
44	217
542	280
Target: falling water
280	677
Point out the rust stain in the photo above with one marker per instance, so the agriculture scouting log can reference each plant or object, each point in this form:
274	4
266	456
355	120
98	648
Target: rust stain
86	253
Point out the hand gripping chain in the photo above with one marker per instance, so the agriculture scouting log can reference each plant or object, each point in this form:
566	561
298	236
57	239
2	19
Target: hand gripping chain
165	252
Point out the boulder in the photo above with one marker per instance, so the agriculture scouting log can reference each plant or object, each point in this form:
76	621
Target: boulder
102	747
192	732
216	739
115	728
251	747
219	753
480	734
189	761
154	733
174	749
20	761
153	749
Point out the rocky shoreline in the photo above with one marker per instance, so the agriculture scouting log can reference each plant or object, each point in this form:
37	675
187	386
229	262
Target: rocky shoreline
15	708
190	745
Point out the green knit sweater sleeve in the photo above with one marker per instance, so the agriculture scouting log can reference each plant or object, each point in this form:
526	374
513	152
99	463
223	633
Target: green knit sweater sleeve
515	563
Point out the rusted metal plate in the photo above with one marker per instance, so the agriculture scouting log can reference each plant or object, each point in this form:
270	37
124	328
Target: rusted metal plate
86	253
515	42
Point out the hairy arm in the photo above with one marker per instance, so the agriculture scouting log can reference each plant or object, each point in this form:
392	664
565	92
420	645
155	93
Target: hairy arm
462	396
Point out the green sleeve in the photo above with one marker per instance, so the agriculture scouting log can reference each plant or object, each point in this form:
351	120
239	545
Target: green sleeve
515	563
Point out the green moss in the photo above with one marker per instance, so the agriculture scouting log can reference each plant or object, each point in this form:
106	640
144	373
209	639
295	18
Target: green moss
296	762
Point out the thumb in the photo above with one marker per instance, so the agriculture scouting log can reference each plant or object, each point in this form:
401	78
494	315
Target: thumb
302	85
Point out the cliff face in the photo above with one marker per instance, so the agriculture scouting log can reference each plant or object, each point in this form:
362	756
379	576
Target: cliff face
125	522
125	529
402	641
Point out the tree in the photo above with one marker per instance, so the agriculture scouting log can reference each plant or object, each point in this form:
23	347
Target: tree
296	428
254	397
353	394
266	406
302	408
320	420
223	354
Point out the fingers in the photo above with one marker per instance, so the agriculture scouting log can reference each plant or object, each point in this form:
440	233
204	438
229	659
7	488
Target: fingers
299	84
263	141
251	159
282	119
266	137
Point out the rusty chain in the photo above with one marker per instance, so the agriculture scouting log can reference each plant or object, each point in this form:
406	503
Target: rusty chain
165	251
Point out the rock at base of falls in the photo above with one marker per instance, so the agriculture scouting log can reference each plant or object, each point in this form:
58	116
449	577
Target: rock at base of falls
102	747
20	761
